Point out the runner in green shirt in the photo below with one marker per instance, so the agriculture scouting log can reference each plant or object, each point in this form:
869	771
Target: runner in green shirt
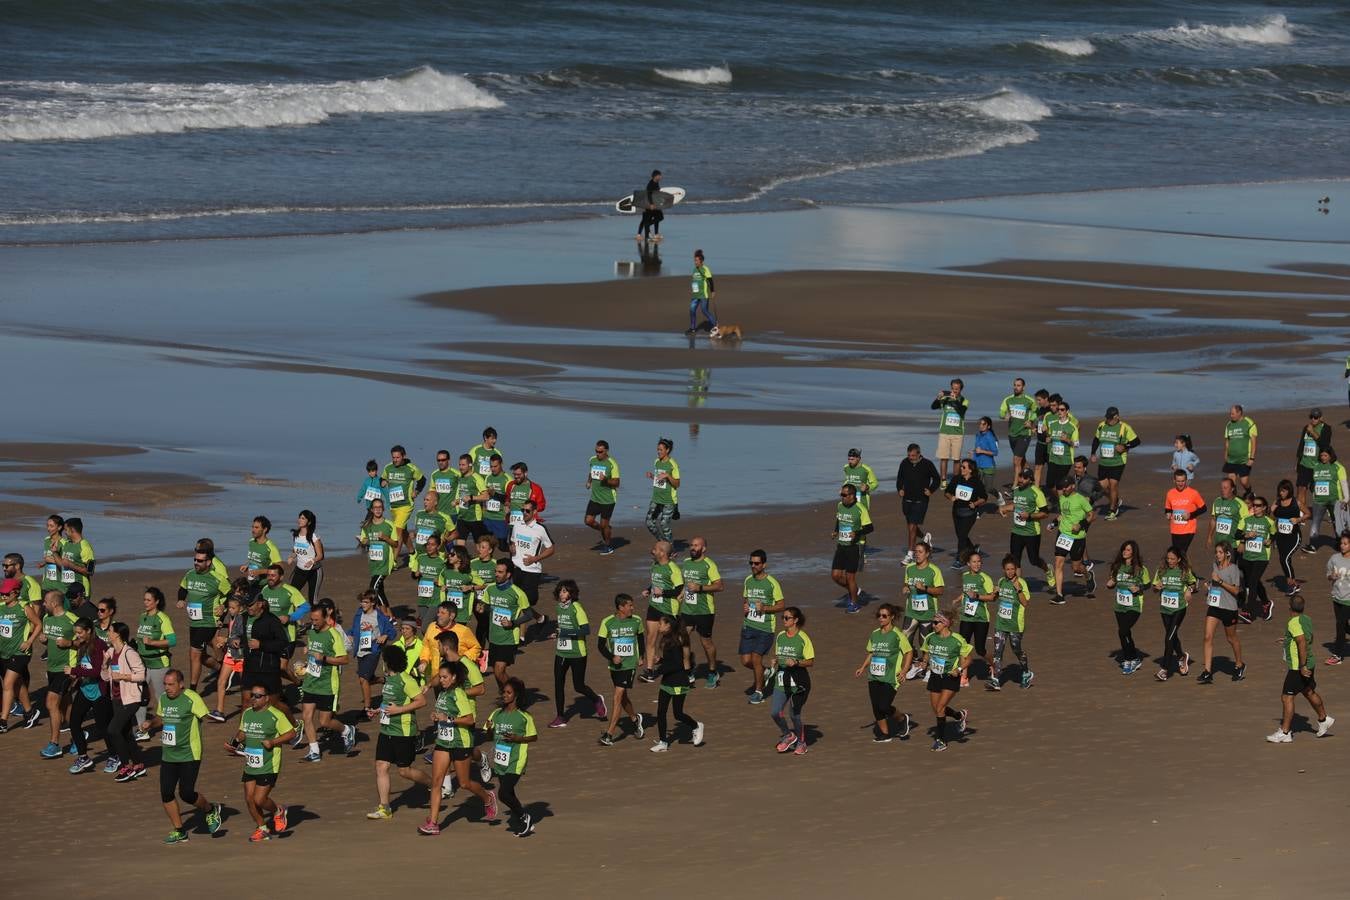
860	475
508	607
888	654
1174	583
569	653
977	593
430	520
498	502
263	731
404	482
262	551
1010	623
76	561
379	538
763	597
51	554
665	479
922	590
1075	516
20	625
471	494
1028	507
428	570
1298	679
1127	580
480	455
1255	534
510	731
396	747
441	481
794	655
621	643
948	656
1239	447
1061	439
697	606
852	524
453	715
462	584
202	594
1330	493
663	595
1227	512
1111	445
325	653
602	480
1019	411
180	755
1315	437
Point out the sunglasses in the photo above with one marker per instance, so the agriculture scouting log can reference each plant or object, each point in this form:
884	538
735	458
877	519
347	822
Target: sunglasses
258	696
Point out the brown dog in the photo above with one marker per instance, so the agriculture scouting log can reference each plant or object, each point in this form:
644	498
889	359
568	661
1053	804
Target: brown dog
726	333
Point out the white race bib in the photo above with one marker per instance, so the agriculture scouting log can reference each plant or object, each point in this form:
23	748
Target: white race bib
1180	516
494	505
501	755
696	288
951	419
845	532
876	667
421	536
1005	610
964	492
51	572
484	466
754	615
1285	526
397	494
456	597
367	640
1018	412
313	668
194	611
1019	518
501	618
168	736
1125	598
1064	542
918	602
426	589
624	646
1309	447
937	664
1108	451
67	576
690	597
1171	599
376	551
517	517
1058	448
1320	489
1215	595
6	629
1223	525
253	757
564	644
971	608
1254	545
373	493
599	473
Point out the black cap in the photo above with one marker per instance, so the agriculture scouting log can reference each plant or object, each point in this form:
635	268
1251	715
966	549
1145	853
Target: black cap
1315	412
854	451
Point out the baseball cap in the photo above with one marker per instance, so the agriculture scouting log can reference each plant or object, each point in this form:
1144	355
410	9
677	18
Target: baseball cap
854	451
10	585
1315	412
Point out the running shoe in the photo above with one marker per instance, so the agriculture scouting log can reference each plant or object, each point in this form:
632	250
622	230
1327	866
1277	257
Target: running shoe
129	773
112	766
1028	677
606	550
140	735
660	747
1162	675
1111	515
259	835
1294	589
1324	726
1240	672
299	738
72	749
938	745
213	818
957	565
428	757
698	734
712	680
51	751
1206	677
1332	660
4	728
852	607
32	718
1244	617
1267	609
177	836
880	738
909	558
928	538
380	812
756	697
601	711
81	764
1184	667
526	825
1308	548
1280	736
447	788
558	722
638	728
216	715
429	827
490	806
1050	580
787	743
348	738
800	749
606	739
485	770
1058	600
993	684
1091	579
311	757
905	726
965	679
647	676
961	725
914	672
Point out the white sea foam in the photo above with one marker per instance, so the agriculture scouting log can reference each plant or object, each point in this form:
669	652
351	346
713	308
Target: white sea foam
711	75
1009	105
1067	46
1270	30
62	111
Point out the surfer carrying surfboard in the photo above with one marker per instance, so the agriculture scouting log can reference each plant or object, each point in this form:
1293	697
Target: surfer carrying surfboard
701	287
651	213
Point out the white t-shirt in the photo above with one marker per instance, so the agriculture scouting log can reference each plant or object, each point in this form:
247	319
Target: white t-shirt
528	539
304	551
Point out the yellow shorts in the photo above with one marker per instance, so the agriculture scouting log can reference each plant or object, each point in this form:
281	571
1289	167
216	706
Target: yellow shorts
399	515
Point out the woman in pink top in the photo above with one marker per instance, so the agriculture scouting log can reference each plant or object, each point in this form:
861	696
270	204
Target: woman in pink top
1183	506
125	674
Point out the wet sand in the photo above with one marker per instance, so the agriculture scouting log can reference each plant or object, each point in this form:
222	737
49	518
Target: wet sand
1125	787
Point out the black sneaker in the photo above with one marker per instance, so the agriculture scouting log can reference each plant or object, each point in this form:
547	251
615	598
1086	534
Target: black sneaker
526	825
1091	580
1206	677
33	715
1267	609
1240	672
1058	600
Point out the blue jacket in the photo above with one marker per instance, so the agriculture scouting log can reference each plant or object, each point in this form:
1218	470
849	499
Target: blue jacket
985	440
372	482
386	626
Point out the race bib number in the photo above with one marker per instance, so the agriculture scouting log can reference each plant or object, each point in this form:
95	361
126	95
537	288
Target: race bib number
1320	489
494	505
972	607
484	466
384	717
1285	526
445	732
1255	545
754	615
1108	451
918	602
1058	448
1309	447
964	492
376	551
564	644
1018	412
845	533
6	629
501	618
313	668
501	755
1064	542
397	494
517	517
426	589
51	572
457	598
1223	525
421	537
1171	599
1019	518
937	665
1005	610
951	420
1125	598
373	493
658	479
690	597
67	576
367	640
1180	516
625	647
876	667
599	473
194	611
168	737
253	757
443	486
1215	595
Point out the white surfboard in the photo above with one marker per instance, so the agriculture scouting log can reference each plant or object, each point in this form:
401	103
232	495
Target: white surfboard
637	201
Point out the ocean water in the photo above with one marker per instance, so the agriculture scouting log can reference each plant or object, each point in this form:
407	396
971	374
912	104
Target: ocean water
153	119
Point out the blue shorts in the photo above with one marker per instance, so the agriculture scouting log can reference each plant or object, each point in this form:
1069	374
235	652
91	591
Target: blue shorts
755	641
497	528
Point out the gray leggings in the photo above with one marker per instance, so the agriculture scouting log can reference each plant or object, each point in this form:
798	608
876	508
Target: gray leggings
791	704
154	680
659	516
1002	639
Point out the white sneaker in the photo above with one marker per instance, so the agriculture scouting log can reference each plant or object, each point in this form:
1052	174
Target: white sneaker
660	747
909	558
928	538
914	672
1280	737
698	734
1324	726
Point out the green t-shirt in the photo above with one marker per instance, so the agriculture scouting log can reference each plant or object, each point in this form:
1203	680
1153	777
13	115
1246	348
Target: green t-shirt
1296	626
1239	436
885	651
704	572
155	626
598	470
510	758
1308	449
1010	614
181	737
262	555
443	482
517	495
849	522
1019	410
379	555
759	593
430	572
662	471
622	635
1073	512
455	704
51	572
399	690
1026	502
571	643
920	604
321	677
973	586
1228	515
80	553
1108	437
283	600
666	587
952	414
14	629
459	590
1326	483
1062	437
698	285
205	597
494	508
60	626
425	524
861	476
482	459
471	485
505	606
1174	584
945	653
1130	588
1257	534
402	481
790	647
267	725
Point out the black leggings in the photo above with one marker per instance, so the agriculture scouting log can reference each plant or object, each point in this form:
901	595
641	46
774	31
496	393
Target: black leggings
663	703
1031	543
310	581
578	667
882	696
1183	543
119	732
1252	572
1172	638
1342	612
977	635
1125	622
962	524
80	707
1285	545
506	792
377	585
